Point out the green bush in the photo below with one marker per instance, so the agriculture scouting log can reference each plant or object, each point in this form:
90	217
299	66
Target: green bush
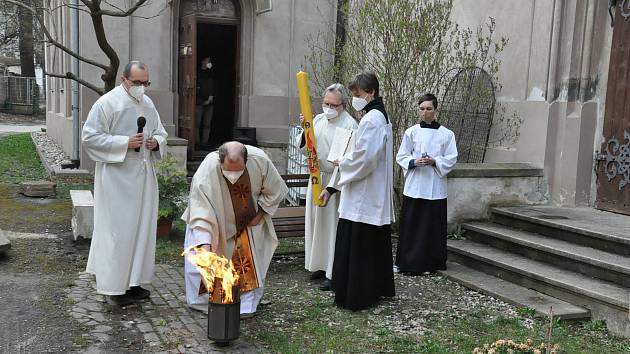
173	188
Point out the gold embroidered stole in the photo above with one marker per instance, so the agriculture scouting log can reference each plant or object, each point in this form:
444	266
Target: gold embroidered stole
242	257
244	212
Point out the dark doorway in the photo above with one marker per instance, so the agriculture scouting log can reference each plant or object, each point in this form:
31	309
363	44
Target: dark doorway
219	42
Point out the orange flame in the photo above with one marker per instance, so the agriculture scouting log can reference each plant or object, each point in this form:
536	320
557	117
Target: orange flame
212	266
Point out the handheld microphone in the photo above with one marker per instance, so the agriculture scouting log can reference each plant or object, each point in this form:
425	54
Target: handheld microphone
141	123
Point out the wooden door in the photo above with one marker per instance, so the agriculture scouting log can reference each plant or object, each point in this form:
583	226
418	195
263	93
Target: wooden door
613	167
187	79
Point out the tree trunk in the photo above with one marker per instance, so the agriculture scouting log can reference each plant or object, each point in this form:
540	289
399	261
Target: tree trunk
340	37
27	49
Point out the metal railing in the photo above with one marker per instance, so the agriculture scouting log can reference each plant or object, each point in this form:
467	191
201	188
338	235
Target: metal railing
296	165
21	95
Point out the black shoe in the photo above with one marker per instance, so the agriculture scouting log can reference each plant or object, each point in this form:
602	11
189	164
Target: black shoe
138	293
120	300
326	285
246	316
320	274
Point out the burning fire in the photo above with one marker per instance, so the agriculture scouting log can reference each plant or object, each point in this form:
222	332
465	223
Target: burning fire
214	269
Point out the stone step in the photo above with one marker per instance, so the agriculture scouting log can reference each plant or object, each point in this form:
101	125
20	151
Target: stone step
585	226
582	259
82	213
566	285
37	188
513	293
5	243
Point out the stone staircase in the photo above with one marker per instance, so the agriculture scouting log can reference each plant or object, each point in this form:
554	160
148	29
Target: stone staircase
575	260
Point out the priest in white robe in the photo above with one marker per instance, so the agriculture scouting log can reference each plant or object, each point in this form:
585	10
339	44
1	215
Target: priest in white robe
321	222
363	267
427	154
122	252
234	193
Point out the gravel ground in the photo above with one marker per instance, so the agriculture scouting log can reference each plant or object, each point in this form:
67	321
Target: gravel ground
52	152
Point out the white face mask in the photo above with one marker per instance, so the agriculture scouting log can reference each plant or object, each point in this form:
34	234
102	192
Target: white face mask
209	65
233	176
330	113
136	92
359	103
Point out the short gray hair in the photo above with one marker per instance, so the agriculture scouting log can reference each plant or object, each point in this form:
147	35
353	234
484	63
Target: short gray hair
341	90
140	65
224	152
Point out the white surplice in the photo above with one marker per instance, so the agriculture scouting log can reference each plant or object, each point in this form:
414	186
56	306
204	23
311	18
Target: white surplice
427	182
210	218
366	174
320	226
122	252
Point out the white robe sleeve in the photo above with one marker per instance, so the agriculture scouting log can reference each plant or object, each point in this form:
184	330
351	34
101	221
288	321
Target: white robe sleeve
405	153
160	136
444	164
273	189
99	144
364	158
197	237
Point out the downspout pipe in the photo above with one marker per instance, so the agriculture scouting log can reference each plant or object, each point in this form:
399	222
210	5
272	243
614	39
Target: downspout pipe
76	126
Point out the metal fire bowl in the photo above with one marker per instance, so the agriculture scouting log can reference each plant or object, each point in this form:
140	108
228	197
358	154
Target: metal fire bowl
224	322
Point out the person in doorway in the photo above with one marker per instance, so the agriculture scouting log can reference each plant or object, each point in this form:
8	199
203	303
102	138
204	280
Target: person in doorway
233	195
362	269
427	154
321	222
204	109
122	253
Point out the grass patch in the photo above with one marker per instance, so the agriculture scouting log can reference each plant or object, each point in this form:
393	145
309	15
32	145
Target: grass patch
41	256
458	235
465	334
168	250
526	311
290	245
322	328
19	161
31	214
595	326
427	316
62	189
80	341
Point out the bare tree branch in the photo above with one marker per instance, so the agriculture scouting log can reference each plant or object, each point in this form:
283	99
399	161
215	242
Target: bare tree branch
72	76
113	6
9	37
129	12
66	4
51	39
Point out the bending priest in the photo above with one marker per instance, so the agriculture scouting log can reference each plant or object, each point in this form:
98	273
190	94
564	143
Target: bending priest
233	195
427	154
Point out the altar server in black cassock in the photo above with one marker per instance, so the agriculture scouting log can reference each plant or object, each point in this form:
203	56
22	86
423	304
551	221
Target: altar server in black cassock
427	154
363	266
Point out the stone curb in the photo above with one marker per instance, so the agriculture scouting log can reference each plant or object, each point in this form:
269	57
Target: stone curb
56	171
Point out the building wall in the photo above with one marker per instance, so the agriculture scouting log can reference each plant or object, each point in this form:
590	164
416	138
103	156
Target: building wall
279	52
554	73
272	51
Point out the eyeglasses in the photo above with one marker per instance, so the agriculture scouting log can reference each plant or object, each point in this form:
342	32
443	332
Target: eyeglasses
140	83
330	105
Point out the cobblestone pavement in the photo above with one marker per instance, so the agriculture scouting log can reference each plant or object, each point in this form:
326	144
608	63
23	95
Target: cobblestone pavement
164	322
